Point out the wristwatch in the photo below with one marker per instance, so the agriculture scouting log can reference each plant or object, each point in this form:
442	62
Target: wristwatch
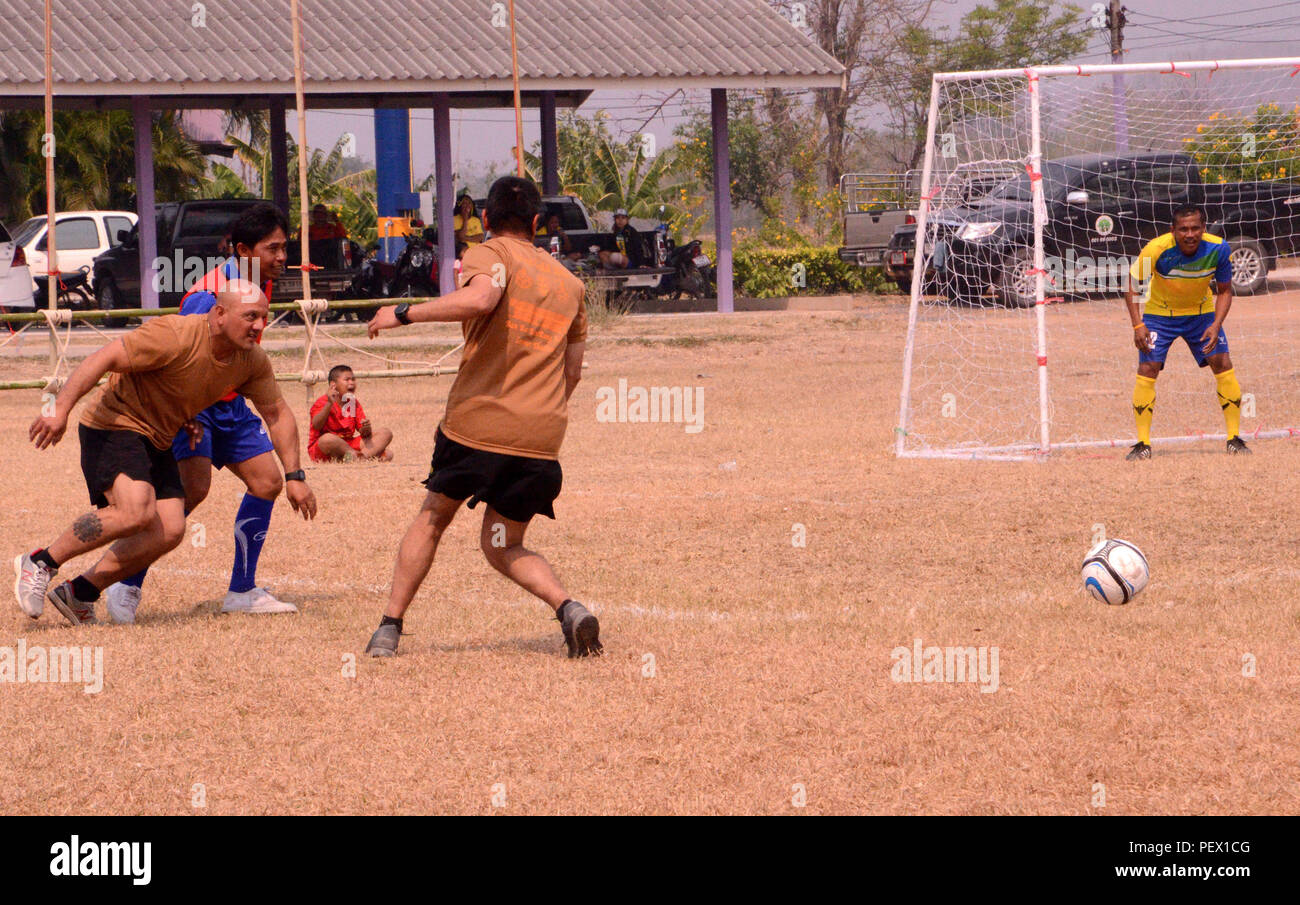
298	475
402	313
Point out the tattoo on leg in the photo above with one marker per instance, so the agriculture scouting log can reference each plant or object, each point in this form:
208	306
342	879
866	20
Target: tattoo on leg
88	527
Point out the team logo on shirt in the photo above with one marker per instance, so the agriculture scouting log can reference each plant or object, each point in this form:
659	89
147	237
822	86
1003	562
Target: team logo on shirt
1105	225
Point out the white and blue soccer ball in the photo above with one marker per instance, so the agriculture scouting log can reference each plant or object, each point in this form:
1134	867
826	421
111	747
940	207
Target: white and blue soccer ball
1115	571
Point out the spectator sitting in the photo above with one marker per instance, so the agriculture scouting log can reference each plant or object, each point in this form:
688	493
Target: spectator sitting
340	429
631	251
469	228
553	228
324	225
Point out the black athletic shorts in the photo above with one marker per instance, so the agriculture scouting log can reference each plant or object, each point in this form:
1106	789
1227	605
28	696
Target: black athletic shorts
107	454
515	486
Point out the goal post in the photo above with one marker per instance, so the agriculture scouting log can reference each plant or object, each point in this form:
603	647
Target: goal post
1039	189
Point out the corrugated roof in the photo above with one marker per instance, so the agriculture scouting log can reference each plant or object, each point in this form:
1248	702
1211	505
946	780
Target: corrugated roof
156	43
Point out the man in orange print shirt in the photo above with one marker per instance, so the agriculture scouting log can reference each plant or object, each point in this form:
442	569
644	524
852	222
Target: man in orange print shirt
525	327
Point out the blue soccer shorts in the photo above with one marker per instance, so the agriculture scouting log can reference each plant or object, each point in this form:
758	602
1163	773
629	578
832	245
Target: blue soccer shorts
231	434
1164	330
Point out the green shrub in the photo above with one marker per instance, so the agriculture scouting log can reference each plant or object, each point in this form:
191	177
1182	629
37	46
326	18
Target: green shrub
767	272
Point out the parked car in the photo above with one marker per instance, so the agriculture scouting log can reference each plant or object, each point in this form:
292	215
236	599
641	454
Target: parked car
1100	208
15	277
82	236
189	236
875	205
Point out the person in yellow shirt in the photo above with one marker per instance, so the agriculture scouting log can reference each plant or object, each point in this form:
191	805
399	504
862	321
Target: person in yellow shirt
468	226
1189	293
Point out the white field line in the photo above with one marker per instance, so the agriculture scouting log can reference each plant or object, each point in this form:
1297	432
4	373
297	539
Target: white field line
636	610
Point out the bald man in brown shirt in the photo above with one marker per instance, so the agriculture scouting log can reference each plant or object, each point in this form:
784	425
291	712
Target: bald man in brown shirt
161	375
525	329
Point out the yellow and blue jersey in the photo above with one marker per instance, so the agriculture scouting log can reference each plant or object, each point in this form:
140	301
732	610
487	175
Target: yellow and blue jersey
1179	283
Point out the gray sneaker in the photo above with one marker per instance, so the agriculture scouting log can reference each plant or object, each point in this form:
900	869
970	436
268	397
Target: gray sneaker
1140	450
1238	447
78	612
31	581
383	643
581	630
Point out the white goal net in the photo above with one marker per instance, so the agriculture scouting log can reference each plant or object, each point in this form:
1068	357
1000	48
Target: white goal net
1039	190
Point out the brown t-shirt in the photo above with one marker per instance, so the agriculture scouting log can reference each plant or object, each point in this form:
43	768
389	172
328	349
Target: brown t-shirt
173	376
509	394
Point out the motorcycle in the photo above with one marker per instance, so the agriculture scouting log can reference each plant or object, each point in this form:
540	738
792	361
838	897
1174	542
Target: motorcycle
370	282
692	274
415	272
73	291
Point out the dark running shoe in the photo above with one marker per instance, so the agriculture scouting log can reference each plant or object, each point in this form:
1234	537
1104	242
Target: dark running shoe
1238	447
78	612
1140	450
581	630
383	643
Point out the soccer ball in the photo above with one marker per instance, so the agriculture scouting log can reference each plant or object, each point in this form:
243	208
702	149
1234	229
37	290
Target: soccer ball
1115	572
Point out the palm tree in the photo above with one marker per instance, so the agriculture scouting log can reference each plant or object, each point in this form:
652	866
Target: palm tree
94	163
642	187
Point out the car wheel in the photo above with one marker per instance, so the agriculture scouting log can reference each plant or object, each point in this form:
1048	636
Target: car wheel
109	298
1017	286
1249	265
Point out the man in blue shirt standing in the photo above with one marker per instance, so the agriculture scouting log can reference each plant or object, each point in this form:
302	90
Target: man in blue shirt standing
233	437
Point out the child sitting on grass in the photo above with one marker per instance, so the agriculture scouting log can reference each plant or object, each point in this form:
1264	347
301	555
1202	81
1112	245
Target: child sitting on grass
340	430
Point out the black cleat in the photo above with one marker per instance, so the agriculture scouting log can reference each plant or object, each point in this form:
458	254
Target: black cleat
1140	450
581	630
1238	447
383	643
78	612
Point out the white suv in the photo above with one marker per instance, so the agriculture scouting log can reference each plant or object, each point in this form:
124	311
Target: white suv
82	236
15	278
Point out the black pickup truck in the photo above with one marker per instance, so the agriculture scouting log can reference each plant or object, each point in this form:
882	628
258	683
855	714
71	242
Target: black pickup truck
189	234
1101	211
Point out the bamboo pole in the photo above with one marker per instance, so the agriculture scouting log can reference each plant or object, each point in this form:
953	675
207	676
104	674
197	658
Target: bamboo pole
296	12
519	110
281	378
49	149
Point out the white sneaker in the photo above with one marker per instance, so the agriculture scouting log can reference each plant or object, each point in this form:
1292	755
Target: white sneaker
122	601
258	600
31	581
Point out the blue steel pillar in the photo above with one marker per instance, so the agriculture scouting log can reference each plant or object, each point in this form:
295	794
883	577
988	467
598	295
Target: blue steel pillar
392	171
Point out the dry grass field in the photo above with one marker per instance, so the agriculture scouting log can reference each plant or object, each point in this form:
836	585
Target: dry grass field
743	673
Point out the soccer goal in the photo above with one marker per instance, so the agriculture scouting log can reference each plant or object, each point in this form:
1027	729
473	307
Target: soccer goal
1039	189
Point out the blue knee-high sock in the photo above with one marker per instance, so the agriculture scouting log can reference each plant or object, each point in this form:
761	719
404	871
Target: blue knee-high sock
137	580
251	524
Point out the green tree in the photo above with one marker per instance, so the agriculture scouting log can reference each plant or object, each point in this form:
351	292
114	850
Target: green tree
1010	34
94	162
607	174
327	179
1253	147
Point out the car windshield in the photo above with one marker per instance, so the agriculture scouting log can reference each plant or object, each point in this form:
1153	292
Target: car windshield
29	228
1056	177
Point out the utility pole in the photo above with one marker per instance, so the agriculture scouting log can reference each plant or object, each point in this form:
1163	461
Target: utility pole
1116	19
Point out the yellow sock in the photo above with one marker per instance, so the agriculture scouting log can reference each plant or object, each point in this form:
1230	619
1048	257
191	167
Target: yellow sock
1144	403
1230	401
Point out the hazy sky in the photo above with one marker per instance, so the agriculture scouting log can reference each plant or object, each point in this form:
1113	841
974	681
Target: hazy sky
1157	30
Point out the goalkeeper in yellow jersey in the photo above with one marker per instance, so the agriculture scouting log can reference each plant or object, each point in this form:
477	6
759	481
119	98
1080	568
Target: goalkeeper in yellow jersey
1189	295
